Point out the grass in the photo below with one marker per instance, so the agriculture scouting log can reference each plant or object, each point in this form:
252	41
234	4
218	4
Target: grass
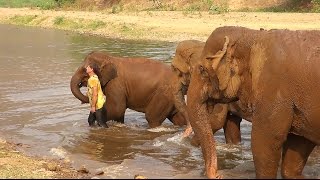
159	5
22	20
300	6
129	30
42	4
66	23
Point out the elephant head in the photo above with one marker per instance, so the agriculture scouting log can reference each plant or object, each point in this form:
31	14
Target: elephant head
107	72
221	61
187	56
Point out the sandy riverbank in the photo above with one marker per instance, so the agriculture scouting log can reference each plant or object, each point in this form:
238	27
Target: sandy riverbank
156	25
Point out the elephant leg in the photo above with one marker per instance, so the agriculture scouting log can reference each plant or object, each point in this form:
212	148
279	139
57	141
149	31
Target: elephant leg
157	111
295	154
195	141
116	107
231	129
270	128
178	119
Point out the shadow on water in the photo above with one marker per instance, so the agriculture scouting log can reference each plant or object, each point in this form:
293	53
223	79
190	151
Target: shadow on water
38	109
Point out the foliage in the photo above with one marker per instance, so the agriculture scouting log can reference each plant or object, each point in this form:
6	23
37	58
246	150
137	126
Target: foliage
58	20
295	6
22	19
96	25
189	7
42	4
218	9
207	5
60	3
117	8
316	6
63	22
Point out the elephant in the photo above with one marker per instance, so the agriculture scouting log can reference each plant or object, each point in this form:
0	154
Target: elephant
186	57
141	84
273	76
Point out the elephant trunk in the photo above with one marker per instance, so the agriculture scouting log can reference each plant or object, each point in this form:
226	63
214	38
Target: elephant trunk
198	117
75	87
179	90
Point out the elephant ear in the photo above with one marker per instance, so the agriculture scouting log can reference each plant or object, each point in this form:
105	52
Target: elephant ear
215	59
108	72
227	71
179	63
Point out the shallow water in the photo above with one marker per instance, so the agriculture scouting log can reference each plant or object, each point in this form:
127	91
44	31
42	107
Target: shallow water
38	109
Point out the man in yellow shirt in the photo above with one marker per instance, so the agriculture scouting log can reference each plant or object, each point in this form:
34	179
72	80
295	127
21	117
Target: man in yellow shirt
96	97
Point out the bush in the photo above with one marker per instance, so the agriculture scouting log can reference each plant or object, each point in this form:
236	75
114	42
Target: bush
42	4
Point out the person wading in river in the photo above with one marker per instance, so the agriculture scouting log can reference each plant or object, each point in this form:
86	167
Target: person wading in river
96	97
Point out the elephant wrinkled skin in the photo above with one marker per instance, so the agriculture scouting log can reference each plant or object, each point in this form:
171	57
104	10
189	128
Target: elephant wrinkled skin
274	76
141	84
186	57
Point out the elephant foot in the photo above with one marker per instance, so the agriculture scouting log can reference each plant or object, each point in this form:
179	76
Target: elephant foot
103	124
214	176
195	142
187	132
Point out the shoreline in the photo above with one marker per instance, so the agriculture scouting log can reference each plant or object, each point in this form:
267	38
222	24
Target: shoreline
15	163
171	26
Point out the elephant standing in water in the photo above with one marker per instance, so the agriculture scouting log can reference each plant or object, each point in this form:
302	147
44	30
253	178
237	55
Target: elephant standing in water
140	84
186	57
274	76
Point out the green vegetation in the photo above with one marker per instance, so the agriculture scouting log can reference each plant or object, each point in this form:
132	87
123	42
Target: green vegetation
42	4
188	7
22	20
117	8
65	23
206	5
301	6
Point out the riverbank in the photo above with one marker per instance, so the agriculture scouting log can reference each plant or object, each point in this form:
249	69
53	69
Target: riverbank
170	26
15	164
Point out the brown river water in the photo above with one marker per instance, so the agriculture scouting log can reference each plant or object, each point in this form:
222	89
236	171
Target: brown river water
38	109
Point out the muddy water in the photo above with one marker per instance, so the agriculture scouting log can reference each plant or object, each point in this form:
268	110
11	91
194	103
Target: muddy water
39	111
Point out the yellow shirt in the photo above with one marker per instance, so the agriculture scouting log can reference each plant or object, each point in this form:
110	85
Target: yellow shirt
92	82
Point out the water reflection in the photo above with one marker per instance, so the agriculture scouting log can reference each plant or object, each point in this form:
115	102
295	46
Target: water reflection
82	45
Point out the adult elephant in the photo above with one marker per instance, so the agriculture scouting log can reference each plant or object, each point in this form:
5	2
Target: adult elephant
186	57
274	76
141	84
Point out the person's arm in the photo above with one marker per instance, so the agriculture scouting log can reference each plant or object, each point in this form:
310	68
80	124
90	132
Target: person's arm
94	98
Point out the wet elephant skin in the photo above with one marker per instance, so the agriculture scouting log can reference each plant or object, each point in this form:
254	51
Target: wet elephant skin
275	79
186	57
140	84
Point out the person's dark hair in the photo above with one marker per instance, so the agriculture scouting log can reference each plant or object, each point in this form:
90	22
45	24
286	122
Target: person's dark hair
96	69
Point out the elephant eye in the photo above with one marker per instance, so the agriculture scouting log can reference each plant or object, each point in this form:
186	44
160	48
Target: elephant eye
209	58
173	68
201	68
